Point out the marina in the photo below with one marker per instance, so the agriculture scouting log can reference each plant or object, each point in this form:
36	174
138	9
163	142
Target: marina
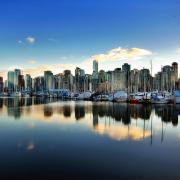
119	96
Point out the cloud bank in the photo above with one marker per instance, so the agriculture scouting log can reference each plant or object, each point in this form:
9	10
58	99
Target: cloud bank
114	55
32	62
122	54
178	50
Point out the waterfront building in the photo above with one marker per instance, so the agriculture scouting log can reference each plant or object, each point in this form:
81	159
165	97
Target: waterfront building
60	81
1	85
174	75
88	82
95	76
175	70
6	86
28	82
79	79
109	81
48	80
11	86
68	80
102	82
126	68
134	80
38	84
21	83
118	80
95	67
17	78
166	78
144	80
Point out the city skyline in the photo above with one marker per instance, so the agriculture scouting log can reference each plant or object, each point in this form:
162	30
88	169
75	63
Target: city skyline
120	79
63	35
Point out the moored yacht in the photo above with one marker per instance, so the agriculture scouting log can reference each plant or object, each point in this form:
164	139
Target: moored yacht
119	96
84	96
16	94
137	98
102	97
158	99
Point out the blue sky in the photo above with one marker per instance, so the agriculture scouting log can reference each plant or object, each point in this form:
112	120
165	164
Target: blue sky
41	33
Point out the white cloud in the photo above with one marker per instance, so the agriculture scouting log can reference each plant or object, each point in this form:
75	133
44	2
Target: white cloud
30	40
178	50
108	61
32	61
56	68
122	54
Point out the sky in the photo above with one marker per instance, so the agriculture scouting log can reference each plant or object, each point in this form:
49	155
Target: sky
38	35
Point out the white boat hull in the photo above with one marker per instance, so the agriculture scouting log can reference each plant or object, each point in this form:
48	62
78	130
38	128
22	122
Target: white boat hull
164	101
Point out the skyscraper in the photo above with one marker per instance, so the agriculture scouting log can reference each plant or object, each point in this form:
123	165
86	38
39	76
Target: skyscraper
126	68
21	83
11	81
145	80
95	66
175	70
1	84
17	73
38	84
95	75
118	80
48	80
28	82
166	78
68	80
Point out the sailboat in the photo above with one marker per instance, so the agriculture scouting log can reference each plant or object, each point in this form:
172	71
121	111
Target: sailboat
158	99
16	94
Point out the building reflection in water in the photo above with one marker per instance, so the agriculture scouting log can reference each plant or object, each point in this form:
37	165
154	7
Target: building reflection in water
111	119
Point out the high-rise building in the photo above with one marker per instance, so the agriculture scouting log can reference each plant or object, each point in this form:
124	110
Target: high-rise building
59	81
95	66
1	85
157	81
38	84
166	80
10	80
68	80
21	84
109	81
48	80
79	79
175	70
145	80
28	82
88	82
102	81
17	73
134	80
126	68
118	80
95	75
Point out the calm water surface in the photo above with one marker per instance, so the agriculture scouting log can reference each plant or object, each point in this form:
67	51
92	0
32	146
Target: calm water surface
49	139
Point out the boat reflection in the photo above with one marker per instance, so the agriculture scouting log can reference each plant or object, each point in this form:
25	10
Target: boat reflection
117	121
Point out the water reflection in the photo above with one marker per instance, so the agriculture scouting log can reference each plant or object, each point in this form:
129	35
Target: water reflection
86	138
118	121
